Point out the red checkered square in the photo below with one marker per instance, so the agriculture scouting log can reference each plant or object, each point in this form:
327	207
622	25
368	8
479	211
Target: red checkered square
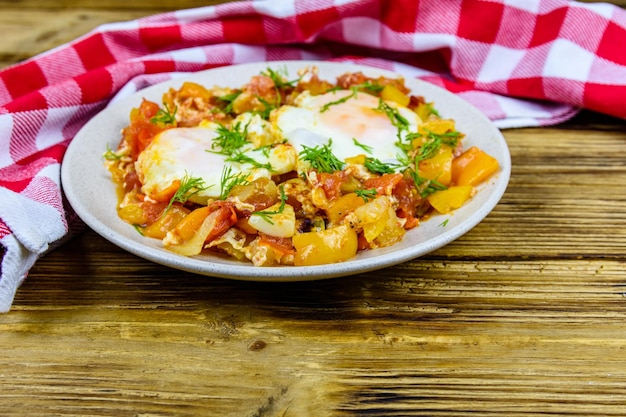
526	87
608	48
310	23
95	86
160	38
31	101
399	16
548	26
480	20
23	79
606	96
94	52
247	29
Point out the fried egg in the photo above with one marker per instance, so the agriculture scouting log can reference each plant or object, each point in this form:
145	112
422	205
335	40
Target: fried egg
188	152
353	121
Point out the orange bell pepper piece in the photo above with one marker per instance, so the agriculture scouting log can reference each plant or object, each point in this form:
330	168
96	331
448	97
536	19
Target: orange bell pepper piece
473	167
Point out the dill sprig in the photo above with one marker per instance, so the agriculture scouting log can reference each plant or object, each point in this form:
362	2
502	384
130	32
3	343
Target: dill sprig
280	77
425	186
189	186
339	101
370	87
321	158
378	167
363	146
366	195
241	158
165	115
432	109
229	141
393	114
268	107
229	99
267	214
111	155
433	143
229	181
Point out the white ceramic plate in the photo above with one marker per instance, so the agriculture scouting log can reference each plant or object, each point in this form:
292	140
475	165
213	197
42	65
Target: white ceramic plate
91	192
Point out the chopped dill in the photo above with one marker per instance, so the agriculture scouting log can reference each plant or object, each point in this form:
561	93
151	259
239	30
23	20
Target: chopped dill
111	155
432	110
280	77
367	86
165	116
363	146
339	101
434	142
229	99
393	114
229	181
266	214
321	158
366	195
378	167
240	158
425	186
188	187
268	107
229	141
370	87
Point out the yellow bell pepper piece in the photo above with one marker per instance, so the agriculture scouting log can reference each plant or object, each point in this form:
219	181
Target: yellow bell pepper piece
325	246
444	201
392	93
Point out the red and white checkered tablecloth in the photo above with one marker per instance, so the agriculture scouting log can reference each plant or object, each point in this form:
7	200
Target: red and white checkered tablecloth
522	62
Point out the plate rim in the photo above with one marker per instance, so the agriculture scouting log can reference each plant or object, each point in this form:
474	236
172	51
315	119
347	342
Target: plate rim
238	270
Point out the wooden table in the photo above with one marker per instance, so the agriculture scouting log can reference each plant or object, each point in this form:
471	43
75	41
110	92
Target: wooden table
523	316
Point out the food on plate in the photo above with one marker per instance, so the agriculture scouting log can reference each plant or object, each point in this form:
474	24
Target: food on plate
290	170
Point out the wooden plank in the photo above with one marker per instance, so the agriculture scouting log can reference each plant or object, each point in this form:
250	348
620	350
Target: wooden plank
525	337
29	32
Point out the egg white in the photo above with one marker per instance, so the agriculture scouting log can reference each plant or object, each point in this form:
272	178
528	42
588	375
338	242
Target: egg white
314	120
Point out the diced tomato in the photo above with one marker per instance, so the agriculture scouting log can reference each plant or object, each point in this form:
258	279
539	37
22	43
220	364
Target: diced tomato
226	218
331	183
282	245
140	132
152	210
262	86
408	199
384	184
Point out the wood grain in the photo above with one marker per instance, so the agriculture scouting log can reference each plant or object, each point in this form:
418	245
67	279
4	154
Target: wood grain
523	316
